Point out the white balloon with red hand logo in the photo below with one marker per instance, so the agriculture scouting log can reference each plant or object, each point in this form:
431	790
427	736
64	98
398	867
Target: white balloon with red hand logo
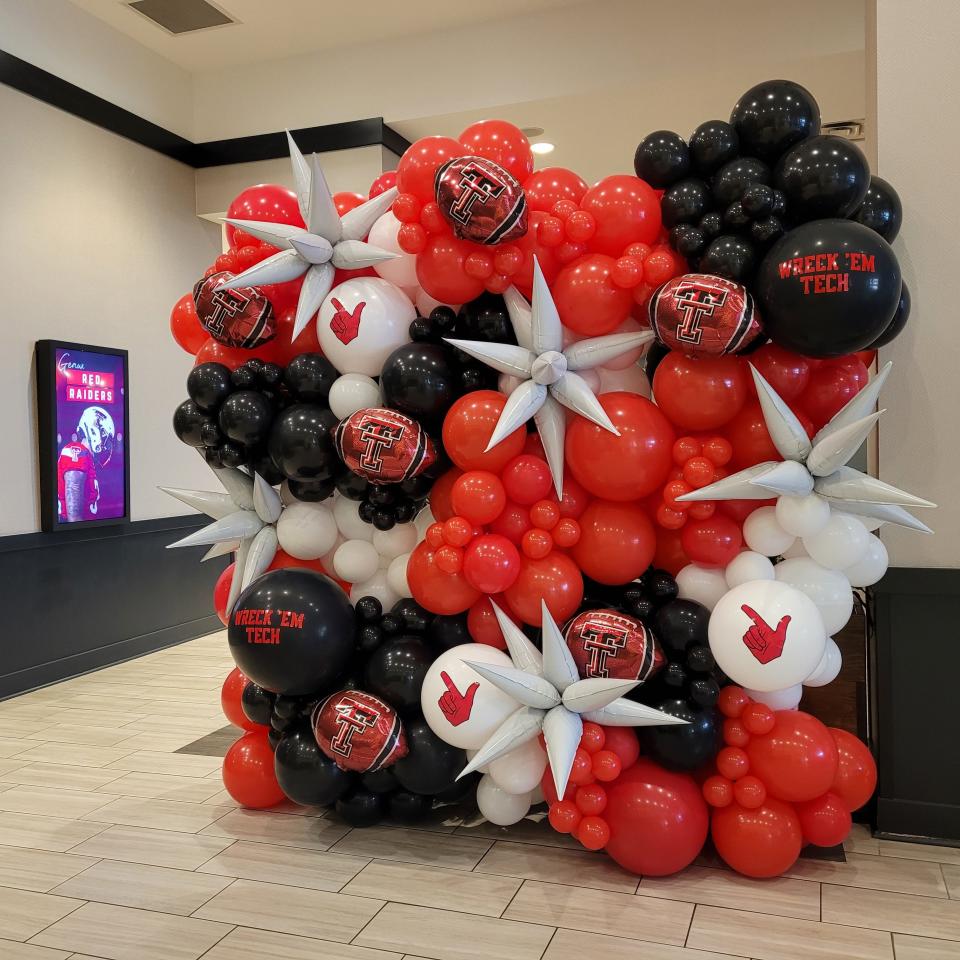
361	322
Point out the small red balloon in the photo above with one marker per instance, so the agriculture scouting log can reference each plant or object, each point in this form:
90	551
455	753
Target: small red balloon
230	700
593	833
438	592
478	495
713	542
624	743
491	563
825	820
527	479
856	777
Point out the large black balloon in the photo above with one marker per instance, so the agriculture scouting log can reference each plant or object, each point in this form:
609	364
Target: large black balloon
662	158
245	416
407	807
485	318
733	178
420	380
683	746
188	423
209	384
362	808
679	625
774	116
380	781
430	766
301	442
729	256
880	210
828	288
823	177
292	632
443	633
713	144
304	773
899	321
309	377
312	491
685	202
395	671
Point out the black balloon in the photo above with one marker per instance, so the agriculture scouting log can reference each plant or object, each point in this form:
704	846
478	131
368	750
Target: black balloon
685	202
430	766
264	465
420	380
485	318
257	703
304	773
683	746
655	353
188	423
395	671
899	321
362	808
679	625
309	377
733	179
209	384
312	491
232	454
352	486
446	632
245	417
823	177
292	632
406	807
301	442
380	781
774	116
828	288
880	210
713	144
662	158
460	789
729	256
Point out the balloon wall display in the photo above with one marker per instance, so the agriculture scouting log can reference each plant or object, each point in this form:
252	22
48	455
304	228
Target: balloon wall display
538	491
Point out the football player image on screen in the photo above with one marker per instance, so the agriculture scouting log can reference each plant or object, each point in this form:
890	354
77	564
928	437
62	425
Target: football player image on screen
90	448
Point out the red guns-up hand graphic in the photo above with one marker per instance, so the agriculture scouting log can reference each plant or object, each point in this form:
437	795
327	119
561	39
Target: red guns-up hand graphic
761	639
454	705
346	326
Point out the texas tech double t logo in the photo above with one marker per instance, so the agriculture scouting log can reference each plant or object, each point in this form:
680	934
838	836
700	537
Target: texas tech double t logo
475	184
375	436
353	717
227	304
696	301
601	640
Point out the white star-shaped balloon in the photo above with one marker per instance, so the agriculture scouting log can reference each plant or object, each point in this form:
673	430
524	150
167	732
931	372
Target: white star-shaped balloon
328	242
244	520
553	699
819	466
547	371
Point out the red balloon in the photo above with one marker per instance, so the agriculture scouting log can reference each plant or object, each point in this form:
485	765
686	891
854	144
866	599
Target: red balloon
713	542
623	742
658	820
478	495
825	821
832	384
748	434
544	188
856	777
526	479
669	555
467	429
501	142
587	299
213	351
482	621
248	774
530	246
306	342
627	467
553	579
230	694
267	202
616	544
763	842
438	592
440	269
626	210
440	505
788	373
419	163
512	523
797	760
383	183
346	200
221	592
700	394
185	325
491	563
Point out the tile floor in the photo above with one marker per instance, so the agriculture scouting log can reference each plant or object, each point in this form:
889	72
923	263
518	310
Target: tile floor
115	846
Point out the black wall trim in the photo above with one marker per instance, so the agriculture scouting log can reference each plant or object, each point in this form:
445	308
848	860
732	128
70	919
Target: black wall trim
51	89
77	601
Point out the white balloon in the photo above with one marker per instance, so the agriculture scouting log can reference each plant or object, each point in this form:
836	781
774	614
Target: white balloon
403	270
376	586
786	699
306	530
762	533
353	392
631	379
327	558
397	575
471	754
520	770
802	516
841	543
423	520
356	561
871	566
536	795
401	538
361	322
346	513
766	635
797	550
500	807
706	585
828	667
455	714
828	589
426	304
629	358
748	566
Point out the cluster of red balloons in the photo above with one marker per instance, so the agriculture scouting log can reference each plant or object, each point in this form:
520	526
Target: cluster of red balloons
783	779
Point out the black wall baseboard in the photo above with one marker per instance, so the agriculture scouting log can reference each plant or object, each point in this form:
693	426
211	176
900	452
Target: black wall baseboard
77	601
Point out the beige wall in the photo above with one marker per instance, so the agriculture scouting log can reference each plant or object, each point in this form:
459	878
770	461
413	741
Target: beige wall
98	239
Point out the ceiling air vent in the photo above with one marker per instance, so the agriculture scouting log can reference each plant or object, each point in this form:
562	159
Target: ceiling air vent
850	129
181	16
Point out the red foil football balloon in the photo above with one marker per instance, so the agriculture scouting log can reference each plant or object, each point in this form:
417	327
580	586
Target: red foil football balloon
703	316
480	200
359	732
383	446
237	318
605	643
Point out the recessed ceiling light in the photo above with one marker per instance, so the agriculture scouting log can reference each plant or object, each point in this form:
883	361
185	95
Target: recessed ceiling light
532	131
542	147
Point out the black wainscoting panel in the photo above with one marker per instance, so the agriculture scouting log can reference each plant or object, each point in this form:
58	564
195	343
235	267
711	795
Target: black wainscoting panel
77	601
916	686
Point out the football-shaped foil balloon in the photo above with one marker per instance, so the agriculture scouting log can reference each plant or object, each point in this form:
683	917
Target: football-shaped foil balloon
703	316
480	200
359	732
608	644
383	446
236	318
